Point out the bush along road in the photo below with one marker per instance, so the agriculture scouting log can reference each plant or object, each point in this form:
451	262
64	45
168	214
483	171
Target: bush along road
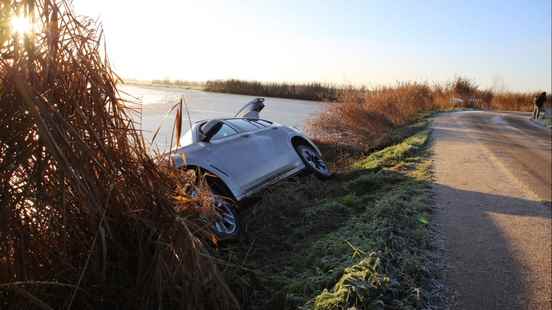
359	240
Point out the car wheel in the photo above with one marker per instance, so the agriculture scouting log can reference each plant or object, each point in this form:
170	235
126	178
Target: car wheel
227	226
313	162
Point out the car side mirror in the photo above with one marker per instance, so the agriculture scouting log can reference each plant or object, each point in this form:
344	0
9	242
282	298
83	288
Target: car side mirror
209	129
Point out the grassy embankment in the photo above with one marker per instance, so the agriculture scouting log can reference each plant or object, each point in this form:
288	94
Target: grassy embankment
360	239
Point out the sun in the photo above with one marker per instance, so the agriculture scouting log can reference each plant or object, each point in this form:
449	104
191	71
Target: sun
21	25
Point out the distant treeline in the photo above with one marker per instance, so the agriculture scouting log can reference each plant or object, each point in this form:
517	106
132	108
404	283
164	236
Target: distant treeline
307	91
168	82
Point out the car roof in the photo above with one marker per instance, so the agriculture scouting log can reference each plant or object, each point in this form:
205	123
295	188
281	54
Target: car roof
228	118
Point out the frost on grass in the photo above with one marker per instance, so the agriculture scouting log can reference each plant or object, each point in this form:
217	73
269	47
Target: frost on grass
361	283
391	156
360	242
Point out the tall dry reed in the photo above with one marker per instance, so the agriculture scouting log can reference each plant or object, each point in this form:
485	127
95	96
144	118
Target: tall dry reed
510	101
88	220
362	118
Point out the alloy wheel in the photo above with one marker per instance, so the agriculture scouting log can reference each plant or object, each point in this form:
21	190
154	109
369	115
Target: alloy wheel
314	160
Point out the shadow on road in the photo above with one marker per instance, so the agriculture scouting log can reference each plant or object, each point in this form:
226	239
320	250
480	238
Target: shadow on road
491	266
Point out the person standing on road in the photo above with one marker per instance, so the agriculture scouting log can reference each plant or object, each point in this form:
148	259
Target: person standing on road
538	103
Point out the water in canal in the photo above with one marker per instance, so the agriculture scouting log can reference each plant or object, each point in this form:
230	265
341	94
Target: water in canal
156	102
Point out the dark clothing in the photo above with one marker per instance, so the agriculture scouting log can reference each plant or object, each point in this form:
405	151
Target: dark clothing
540	100
538	104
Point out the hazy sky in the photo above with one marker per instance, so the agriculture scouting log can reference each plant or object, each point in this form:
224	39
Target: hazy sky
502	44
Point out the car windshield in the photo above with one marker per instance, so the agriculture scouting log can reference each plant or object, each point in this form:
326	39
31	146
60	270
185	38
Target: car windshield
224	131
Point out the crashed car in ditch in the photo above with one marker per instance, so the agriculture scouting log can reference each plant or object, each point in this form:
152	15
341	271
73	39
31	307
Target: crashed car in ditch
243	155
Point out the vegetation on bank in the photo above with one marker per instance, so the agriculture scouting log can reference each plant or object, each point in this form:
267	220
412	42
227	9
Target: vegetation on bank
359	240
306	91
460	92
363	117
168	83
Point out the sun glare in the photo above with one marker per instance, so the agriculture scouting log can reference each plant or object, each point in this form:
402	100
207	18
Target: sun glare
21	25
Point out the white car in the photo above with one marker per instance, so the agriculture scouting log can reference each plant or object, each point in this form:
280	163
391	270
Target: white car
245	154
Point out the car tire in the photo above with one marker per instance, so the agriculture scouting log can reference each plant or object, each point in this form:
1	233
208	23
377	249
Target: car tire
228	226
313	161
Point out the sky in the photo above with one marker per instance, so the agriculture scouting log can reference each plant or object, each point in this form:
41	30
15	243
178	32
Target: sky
505	45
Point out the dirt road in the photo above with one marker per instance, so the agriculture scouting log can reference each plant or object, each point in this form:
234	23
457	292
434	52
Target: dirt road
493	188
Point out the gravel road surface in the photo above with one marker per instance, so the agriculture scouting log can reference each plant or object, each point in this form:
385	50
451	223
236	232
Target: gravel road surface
493	188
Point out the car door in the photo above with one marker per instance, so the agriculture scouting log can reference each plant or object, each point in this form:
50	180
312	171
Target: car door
282	158
234	152
271	144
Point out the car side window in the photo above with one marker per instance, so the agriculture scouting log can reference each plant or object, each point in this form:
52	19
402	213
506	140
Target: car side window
224	131
242	124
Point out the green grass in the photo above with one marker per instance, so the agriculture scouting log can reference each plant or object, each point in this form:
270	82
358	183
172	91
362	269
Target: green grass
391	156
360	240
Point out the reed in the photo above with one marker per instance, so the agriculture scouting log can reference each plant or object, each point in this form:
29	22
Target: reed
511	101
363	118
307	91
88	219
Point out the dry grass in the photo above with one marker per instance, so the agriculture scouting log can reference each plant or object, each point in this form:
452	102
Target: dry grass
88	220
510	101
363	119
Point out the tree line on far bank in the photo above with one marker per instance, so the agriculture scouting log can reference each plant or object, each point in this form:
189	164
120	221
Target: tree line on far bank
461	92
307	91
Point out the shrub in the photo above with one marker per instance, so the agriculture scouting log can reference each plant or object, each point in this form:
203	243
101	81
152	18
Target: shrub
509	101
363	117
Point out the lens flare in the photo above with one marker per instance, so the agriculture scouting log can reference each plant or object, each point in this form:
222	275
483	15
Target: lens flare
21	25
